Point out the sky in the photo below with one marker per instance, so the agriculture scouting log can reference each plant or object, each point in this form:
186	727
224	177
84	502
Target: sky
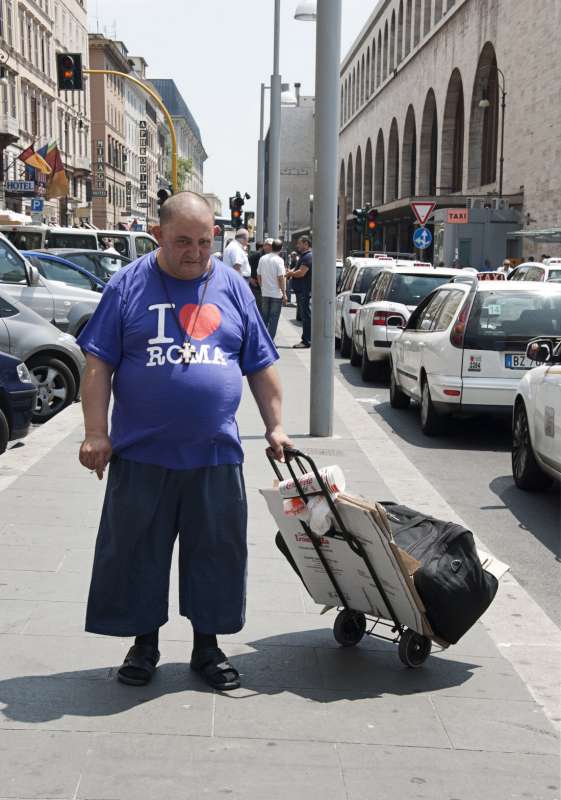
219	52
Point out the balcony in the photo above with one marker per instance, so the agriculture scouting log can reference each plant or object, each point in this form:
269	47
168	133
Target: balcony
82	163
9	126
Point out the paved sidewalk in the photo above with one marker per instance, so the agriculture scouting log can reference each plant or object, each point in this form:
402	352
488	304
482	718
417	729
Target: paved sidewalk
312	719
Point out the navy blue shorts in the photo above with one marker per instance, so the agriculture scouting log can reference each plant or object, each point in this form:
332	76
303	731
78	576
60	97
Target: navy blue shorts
146	507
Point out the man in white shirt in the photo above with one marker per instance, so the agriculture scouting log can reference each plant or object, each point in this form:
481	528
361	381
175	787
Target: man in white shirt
270	274
235	254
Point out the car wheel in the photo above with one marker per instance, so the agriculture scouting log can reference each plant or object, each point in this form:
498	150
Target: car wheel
345	342
369	370
398	399
56	387
431	421
355	356
525	469
4	432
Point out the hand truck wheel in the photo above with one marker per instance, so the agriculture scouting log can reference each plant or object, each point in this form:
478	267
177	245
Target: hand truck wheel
349	627
414	649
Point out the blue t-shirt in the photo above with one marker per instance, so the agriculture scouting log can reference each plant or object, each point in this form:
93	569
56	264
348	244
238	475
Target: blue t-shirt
166	412
304	284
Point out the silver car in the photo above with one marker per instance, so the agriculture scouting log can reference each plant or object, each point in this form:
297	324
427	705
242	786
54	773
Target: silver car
67	307
53	358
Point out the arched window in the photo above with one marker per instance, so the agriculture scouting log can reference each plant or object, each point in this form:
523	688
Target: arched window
350	182
392	44
341	107
353	93
483	123
342	186
408	15
367	194
392	181
379	171
428	152
452	149
385	54
409	155
379	60
362	81
437	10
417	23
367	73
373	72
358	179
400	32
427	17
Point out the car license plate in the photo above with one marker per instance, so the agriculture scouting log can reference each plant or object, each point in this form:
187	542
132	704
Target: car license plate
518	361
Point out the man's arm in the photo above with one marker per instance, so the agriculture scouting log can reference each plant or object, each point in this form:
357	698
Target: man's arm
282	285
266	389
298	273
95	451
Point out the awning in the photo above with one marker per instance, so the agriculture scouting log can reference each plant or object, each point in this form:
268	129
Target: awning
538	235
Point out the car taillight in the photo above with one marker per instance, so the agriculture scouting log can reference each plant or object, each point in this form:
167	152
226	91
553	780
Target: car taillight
382	317
458	331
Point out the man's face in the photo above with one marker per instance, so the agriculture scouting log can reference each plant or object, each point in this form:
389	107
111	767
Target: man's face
267	248
301	246
243	240
186	240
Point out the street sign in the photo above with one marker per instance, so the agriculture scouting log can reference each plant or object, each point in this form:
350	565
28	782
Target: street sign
422	210
37	204
422	238
99	193
20	186
458	216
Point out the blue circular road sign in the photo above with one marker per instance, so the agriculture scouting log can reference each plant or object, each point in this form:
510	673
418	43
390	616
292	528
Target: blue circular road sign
422	238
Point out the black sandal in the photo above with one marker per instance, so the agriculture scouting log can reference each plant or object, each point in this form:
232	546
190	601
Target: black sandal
214	667
139	665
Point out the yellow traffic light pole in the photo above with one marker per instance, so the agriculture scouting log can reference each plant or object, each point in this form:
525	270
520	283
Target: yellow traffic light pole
158	100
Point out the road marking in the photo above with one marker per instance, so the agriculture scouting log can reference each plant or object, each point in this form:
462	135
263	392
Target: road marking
373	400
518	626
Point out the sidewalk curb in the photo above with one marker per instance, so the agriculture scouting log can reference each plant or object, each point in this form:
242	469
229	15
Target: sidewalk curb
521	630
17	460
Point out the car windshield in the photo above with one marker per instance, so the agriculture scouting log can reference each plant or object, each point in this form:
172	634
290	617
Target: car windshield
77	240
411	289
24	240
365	278
501	319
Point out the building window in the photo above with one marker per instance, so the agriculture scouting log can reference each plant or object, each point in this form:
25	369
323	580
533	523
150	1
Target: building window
9	22
34	118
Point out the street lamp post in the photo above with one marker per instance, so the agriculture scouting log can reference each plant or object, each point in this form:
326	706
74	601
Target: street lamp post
328	50
273	195
485	103
260	221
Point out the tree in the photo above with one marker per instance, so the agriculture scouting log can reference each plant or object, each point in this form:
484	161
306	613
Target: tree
184	169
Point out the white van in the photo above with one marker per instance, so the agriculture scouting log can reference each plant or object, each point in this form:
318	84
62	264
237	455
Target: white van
131	244
39	237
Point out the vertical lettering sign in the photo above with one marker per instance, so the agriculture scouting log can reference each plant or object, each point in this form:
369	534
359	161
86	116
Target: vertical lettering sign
128	197
143	168
99	169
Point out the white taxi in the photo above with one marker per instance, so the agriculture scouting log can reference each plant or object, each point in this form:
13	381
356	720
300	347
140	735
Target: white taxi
394	295
548	270
359	274
463	350
536	420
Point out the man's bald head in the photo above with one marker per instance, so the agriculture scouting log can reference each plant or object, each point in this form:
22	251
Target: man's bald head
185	204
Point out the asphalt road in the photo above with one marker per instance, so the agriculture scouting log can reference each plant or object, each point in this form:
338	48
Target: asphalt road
470	467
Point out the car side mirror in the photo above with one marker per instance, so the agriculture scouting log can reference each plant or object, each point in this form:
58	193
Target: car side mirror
540	350
395	322
33	275
356	298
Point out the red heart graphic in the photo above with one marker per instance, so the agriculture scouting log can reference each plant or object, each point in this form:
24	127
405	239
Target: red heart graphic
200	323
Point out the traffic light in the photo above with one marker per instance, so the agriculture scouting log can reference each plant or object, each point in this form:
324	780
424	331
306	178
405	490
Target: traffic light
236	205
163	195
371	220
360	220
69	72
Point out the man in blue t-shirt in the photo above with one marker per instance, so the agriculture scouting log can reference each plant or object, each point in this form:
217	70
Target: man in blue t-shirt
301	278
172	337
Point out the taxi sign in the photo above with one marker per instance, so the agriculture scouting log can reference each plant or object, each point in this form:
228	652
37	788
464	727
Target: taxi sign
491	276
458	216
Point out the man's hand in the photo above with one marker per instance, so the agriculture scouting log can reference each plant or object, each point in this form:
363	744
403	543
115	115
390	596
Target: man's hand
278	440
95	452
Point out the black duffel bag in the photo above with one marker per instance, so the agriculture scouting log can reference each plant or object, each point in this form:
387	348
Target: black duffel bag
451	582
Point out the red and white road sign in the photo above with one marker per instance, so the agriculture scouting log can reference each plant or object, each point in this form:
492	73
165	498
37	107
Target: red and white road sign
423	210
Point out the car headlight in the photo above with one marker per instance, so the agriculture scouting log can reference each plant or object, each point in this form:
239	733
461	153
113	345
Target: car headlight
23	373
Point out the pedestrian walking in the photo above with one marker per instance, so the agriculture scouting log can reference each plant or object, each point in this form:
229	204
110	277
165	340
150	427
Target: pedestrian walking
253	259
271	277
235	254
301	278
172	336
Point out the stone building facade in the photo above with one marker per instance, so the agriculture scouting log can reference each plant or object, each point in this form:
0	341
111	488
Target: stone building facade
421	94
32	111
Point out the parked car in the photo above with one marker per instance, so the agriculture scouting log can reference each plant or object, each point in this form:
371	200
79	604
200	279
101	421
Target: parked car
101	264
67	307
338	273
549	270
36	237
131	244
17	399
54	359
463	350
359	275
393	295
56	268
536	420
